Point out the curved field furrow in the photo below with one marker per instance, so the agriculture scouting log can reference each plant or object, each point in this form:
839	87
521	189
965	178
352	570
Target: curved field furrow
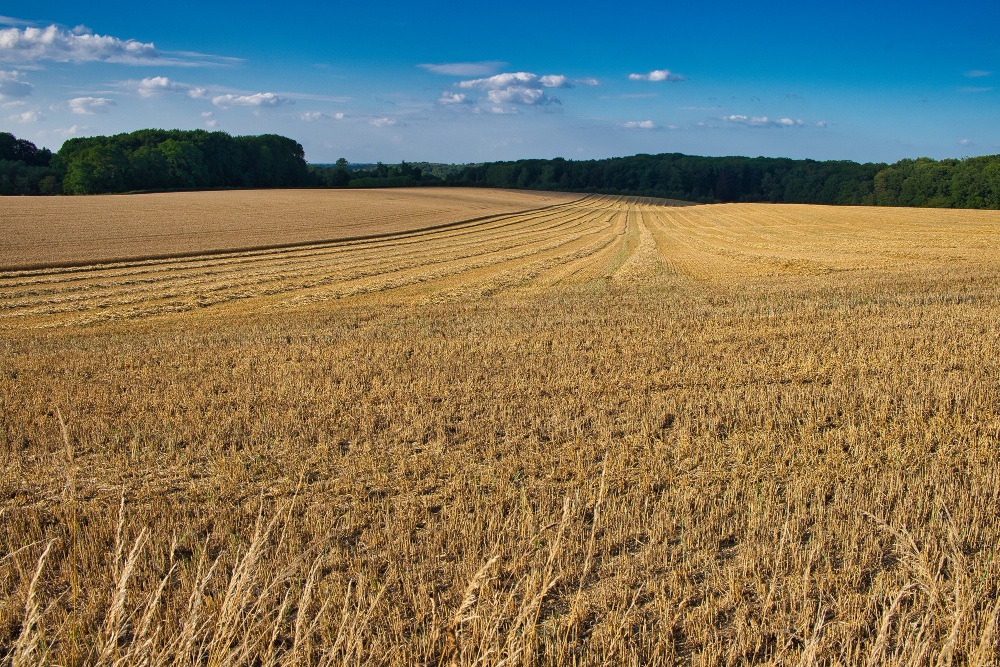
319	274
241	271
571	269
292	262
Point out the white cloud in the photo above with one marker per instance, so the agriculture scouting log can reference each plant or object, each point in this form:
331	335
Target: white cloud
52	43
197	93
453	98
81	45
500	80
28	117
339	115
255	100
643	124
764	121
206	114
657	75
504	112
974	73
11	105
151	86
211	123
483	68
520	95
587	81
12	86
311	116
965	142
515	88
384	122
821	123
91	105
506	79
972	89
554	81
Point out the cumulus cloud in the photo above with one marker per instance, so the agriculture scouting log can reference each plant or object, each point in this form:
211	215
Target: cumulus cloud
28	117
642	124
821	123
311	116
53	43
965	142
384	122
520	95
587	81
12	86
975	73
764	121
81	45
516	78
554	81
453	98
508	88
483	68
657	75
255	100
152	86
88	106
155	85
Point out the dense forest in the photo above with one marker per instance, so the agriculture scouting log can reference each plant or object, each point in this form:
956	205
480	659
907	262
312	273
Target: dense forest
151	160
175	159
967	183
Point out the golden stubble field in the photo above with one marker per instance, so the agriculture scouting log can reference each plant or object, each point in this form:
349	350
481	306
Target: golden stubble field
605	431
68	231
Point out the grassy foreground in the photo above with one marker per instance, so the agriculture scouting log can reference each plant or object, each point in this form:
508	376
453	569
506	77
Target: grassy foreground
613	433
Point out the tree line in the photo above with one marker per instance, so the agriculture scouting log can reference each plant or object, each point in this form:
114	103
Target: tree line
151	160
176	159
952	183
966	183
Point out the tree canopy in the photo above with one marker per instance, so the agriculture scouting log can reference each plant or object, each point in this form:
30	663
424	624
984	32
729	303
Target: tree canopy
178	159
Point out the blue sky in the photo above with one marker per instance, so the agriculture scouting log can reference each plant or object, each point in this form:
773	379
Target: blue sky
465	82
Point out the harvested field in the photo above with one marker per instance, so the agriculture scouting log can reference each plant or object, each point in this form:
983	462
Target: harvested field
605	431
38	231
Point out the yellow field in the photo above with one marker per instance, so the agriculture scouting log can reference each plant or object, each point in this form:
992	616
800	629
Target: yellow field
44	231
605	431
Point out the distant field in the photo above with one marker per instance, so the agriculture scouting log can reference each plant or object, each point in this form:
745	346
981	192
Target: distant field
50	230
606	431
